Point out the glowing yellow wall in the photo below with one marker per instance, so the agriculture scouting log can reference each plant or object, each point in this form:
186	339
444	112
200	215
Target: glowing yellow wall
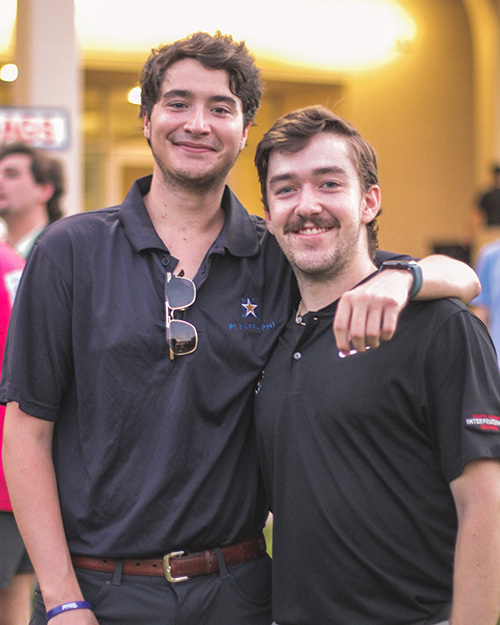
418	114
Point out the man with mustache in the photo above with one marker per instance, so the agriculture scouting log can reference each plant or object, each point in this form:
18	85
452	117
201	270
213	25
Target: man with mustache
129	445
382	468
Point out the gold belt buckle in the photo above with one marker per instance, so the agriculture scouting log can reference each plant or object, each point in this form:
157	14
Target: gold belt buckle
168	569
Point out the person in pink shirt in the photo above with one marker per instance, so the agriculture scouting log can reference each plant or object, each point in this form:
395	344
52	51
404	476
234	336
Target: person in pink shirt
16	571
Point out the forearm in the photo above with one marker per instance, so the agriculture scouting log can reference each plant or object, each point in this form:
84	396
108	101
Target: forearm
476	594
369	313
27	456
476	582
447	277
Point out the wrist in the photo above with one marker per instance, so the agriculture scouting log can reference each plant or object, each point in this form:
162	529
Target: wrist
60	587
411	267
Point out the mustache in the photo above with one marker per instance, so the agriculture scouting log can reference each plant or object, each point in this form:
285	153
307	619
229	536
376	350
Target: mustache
297	222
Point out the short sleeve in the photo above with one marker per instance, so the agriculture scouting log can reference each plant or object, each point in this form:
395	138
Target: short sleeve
37	366
462	394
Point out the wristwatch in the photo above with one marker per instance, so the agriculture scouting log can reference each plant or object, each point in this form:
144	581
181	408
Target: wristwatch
406	265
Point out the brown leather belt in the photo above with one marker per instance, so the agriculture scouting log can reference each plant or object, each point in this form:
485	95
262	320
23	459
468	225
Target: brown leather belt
179	566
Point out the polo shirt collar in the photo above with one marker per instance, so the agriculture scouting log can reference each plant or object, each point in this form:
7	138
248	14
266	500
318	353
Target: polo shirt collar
238	235
135	218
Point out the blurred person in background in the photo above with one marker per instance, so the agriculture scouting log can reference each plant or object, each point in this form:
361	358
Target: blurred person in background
488	204
31	188
487	304
16	570
482	224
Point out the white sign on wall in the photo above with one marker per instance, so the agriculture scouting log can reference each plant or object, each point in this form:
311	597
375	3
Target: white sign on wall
37	127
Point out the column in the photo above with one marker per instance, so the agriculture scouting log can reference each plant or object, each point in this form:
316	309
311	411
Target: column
50	75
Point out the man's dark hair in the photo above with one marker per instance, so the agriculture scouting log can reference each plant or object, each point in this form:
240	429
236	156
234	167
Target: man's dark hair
218	52
292	132
45	170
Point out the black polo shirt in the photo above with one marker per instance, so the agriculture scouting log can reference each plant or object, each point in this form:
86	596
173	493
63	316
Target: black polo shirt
357	455
151	455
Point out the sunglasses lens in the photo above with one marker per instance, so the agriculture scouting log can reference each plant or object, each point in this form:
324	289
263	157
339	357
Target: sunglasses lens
182	337
179	292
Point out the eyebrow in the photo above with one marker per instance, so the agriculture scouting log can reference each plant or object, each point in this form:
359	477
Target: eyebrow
184	93
319	171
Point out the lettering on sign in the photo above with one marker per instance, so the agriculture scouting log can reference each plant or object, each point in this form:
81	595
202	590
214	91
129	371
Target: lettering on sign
39	128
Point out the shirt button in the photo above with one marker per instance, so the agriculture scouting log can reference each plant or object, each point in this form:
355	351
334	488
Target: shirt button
298	321
165	261
297	356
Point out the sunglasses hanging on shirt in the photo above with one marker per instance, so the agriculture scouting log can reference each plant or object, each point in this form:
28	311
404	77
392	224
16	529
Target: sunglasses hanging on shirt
182	337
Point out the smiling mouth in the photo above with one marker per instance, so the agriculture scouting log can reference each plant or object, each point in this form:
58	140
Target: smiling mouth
195	147
311	226
311	231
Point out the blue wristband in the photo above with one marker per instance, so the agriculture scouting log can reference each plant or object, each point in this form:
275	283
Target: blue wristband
66	607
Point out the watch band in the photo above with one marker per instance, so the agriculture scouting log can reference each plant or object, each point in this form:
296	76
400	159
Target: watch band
406	265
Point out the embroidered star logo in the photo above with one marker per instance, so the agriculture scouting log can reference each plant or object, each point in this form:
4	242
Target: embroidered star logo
249	307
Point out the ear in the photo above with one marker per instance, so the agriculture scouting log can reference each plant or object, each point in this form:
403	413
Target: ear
371	204
244	136
45	192
269	224
146	126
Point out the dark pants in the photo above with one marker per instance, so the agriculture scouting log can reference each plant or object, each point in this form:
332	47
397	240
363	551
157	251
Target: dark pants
13	555
440	623
241	595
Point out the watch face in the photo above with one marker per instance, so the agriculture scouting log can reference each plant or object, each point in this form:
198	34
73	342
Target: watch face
399	264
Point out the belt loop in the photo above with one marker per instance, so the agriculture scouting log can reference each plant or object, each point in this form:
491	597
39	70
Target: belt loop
117	575
223	574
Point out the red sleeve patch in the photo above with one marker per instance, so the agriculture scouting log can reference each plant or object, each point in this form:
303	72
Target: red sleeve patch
484	423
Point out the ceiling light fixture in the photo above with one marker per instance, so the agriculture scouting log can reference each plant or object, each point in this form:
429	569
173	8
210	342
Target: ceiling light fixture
134	95
9	72
335	35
